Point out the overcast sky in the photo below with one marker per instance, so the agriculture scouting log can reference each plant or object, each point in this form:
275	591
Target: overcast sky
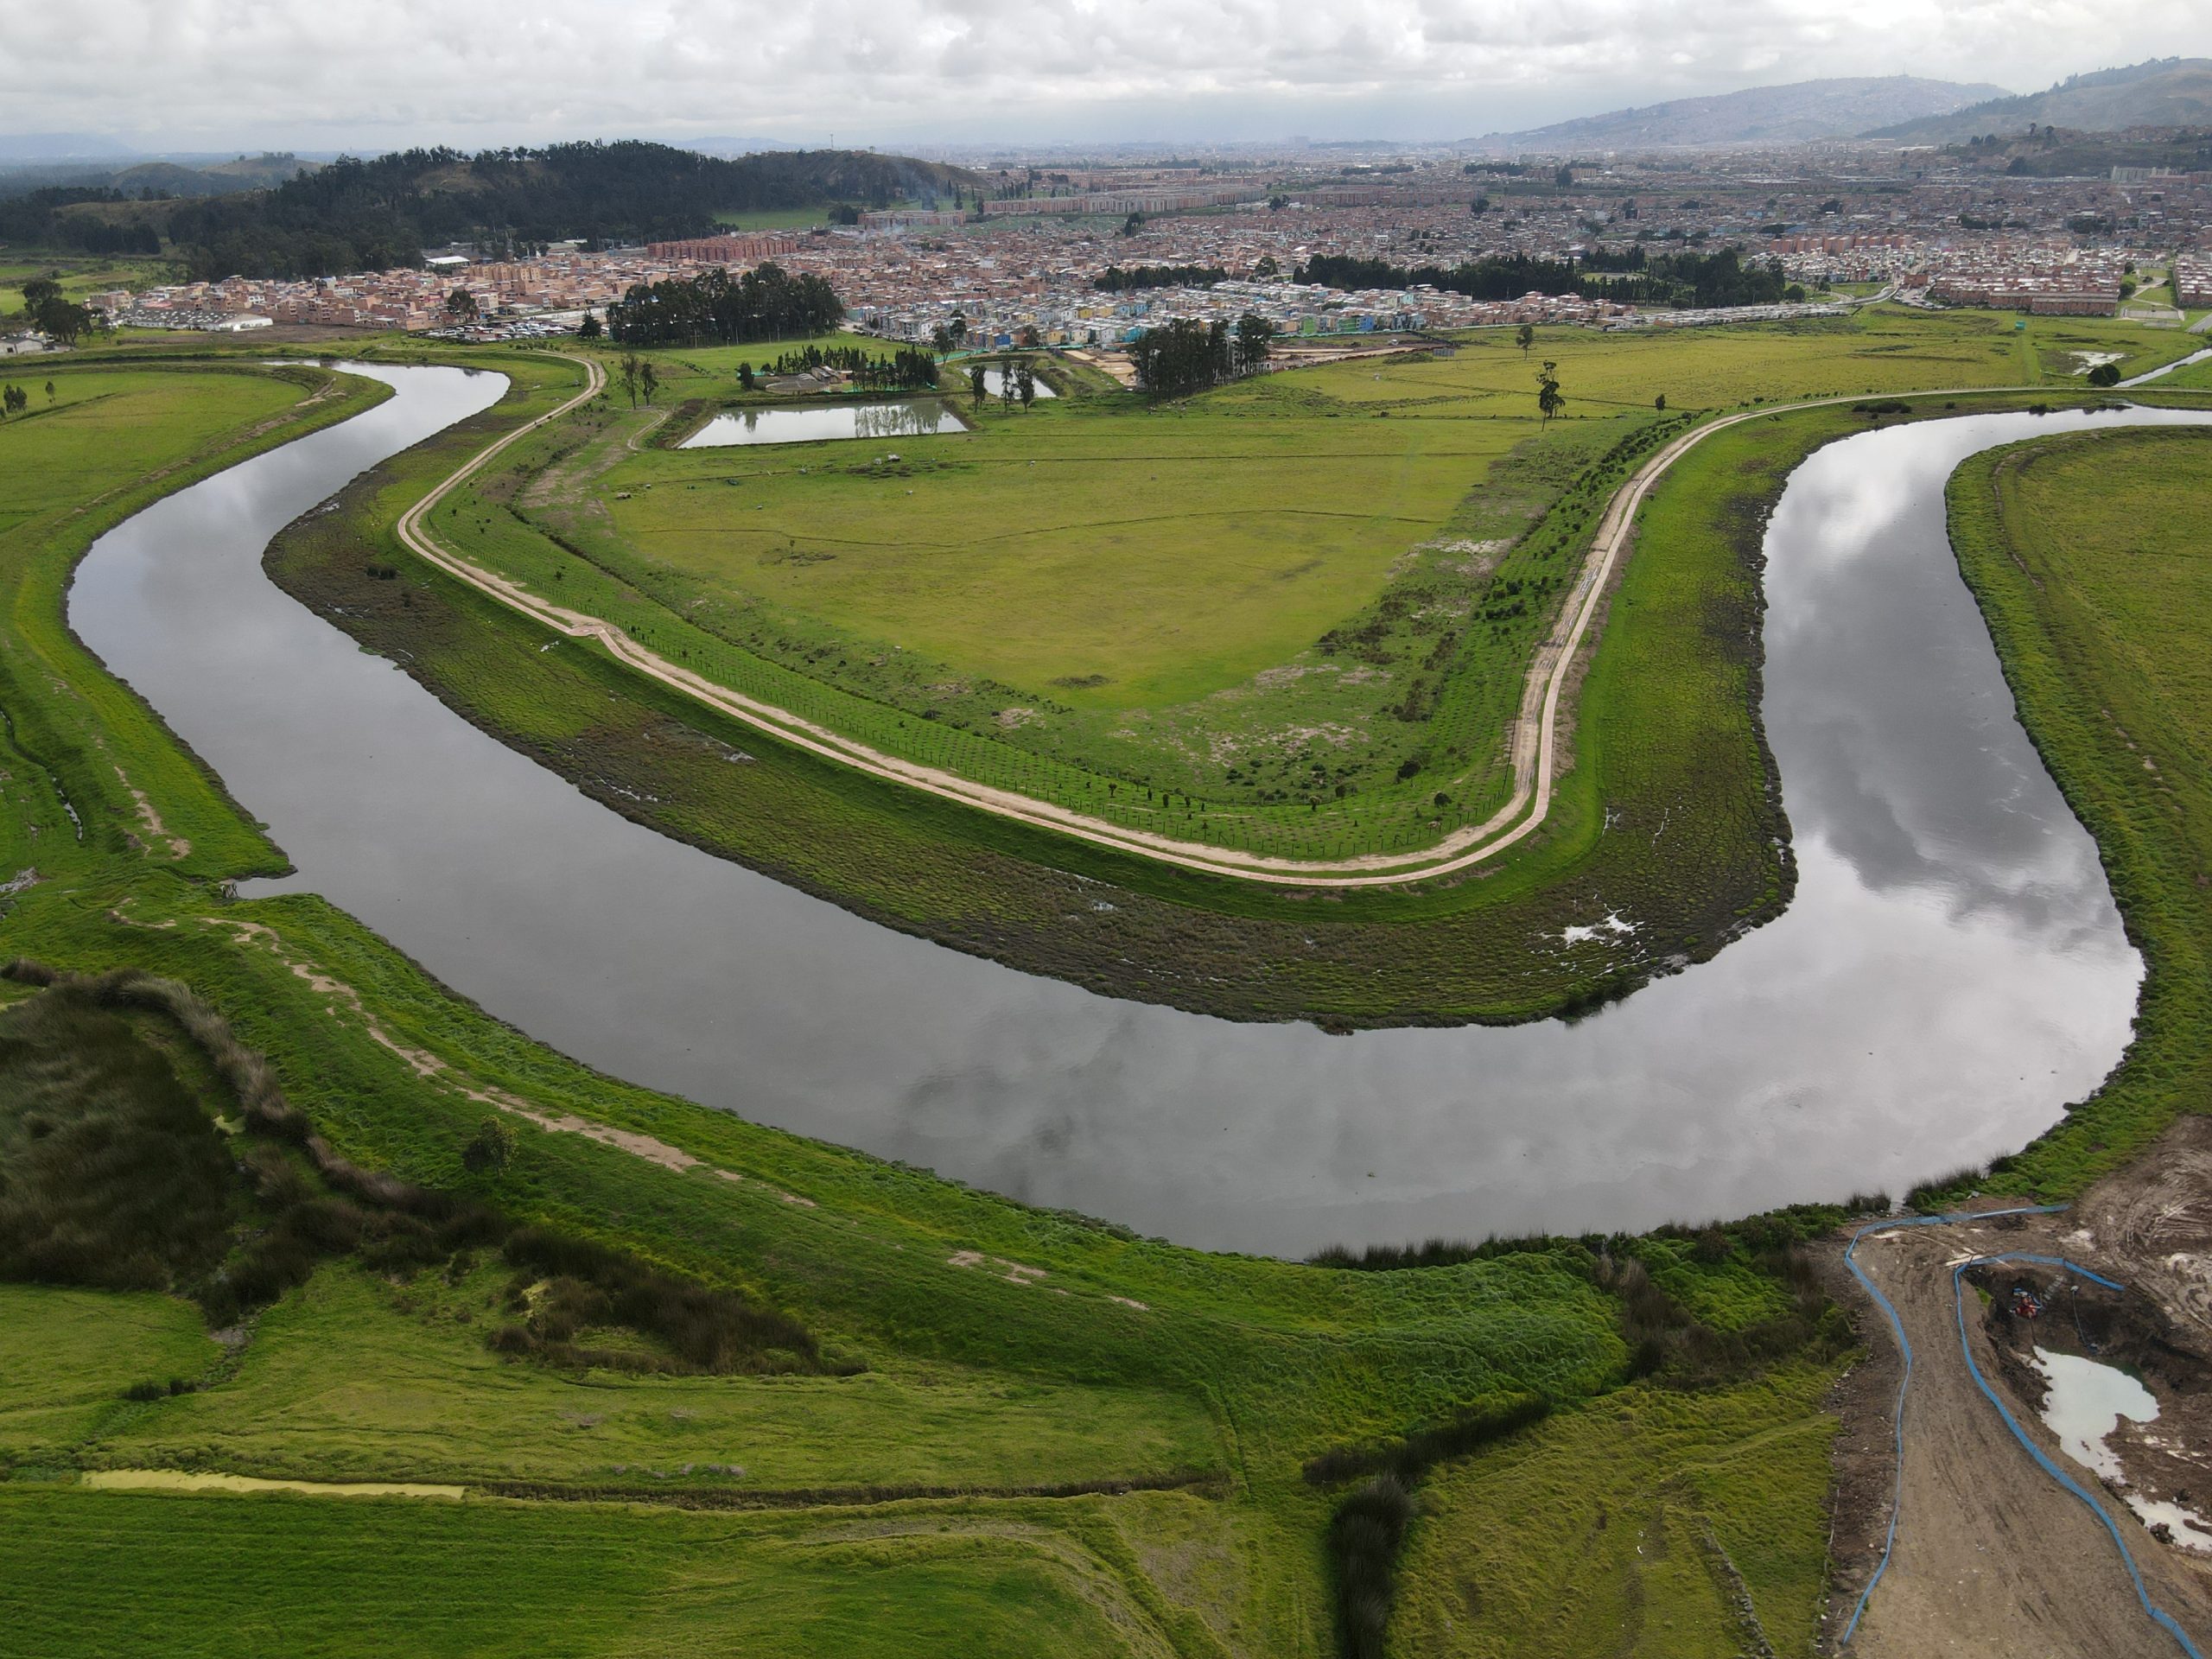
323	74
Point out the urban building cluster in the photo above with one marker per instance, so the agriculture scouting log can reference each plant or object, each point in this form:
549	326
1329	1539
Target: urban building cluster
1023	259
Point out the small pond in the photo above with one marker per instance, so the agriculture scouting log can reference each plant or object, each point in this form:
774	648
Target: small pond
2083	1407
994	384
902	418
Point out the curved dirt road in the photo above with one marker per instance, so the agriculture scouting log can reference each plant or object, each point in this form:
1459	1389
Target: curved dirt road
1534	743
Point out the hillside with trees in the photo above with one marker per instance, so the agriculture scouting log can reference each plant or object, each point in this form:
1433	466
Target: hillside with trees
2164	92
364	215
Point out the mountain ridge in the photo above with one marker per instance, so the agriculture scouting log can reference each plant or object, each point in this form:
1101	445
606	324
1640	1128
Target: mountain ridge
1798	112
2160	92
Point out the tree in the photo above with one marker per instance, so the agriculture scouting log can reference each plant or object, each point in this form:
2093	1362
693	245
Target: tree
591	328
1266	270
1547	395
461	306
1133	224
37	292
746	380
49	391
1479	205
1524	337
2105	374
1564	178
1028	385
648	381
1660	402
941	339
55	317
628	373
493	1145
12	399
977	377
1254	336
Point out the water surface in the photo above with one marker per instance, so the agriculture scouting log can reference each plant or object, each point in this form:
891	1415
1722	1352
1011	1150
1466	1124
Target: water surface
1951	974
905	419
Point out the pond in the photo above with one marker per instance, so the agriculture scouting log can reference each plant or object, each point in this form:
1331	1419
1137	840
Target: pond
1951	974
994	382
825	424
2082	1406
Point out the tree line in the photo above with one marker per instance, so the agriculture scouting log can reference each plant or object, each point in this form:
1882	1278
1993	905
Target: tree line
1680	280
35	220
909	369
767	302
1114	280
1186	355
367	215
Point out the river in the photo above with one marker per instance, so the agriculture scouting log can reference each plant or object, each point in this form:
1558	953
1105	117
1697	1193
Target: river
1952	972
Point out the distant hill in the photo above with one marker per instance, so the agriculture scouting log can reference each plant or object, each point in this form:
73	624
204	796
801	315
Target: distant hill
275	215
1801	113
2164	92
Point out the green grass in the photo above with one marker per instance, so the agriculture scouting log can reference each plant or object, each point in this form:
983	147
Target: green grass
355	1379
68	1355
1293	616
2087	556
98	1574
772	218
1624	1528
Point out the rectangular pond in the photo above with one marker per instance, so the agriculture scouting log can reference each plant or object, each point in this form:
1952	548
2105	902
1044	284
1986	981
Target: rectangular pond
902	418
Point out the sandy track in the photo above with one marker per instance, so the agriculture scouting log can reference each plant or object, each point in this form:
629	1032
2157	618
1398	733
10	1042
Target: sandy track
1534	737
1993	1559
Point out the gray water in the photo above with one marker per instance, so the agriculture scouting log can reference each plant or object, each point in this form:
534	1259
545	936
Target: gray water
825	424
1951	973
994	382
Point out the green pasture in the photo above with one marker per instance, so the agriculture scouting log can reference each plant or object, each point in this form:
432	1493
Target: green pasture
355	1379
115	1573
79	274
1292	616
2089	558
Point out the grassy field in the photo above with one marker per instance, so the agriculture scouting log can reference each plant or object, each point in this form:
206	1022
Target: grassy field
79	274
972	1347
2088	556
1292	616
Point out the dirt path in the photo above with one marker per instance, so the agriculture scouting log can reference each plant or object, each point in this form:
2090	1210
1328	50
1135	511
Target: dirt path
1533	738
1994	1558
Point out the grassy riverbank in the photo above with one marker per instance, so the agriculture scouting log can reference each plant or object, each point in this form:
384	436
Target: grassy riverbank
2087	556
969	1348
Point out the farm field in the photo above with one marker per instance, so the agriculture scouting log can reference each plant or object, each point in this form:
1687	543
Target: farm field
1262	618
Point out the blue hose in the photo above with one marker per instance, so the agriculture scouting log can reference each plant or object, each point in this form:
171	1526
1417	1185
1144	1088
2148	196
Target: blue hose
1904	1346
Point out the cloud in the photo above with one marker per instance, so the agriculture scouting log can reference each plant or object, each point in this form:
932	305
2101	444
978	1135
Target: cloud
230	71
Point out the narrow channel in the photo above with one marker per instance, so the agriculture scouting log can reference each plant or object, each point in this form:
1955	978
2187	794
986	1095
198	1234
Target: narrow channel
1952	973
